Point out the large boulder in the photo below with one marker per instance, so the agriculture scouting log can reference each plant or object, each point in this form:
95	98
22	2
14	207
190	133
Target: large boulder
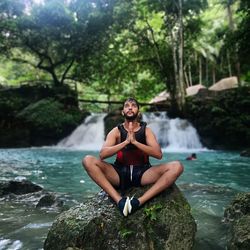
165	222
238	215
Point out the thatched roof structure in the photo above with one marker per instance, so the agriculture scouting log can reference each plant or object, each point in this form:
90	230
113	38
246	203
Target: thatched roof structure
193	90
162	97
225	83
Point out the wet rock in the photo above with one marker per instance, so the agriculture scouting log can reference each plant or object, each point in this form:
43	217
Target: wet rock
165	222
238	215
245	153
18	187
49	200
28	193
239	206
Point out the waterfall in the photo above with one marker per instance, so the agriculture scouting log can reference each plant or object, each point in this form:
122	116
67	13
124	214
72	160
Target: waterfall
172	134
88	136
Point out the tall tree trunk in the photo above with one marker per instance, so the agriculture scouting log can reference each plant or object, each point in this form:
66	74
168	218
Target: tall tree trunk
206	72
213	74
182	89
200	69
232	28
190	74
229	64
174	54
186	78
175	108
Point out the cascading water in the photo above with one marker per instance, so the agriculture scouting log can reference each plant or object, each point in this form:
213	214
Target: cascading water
172	134
88	136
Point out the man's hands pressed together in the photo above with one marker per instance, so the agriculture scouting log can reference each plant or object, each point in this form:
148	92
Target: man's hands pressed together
131	134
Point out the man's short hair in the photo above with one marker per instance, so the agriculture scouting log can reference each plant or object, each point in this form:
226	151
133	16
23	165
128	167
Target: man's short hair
131	99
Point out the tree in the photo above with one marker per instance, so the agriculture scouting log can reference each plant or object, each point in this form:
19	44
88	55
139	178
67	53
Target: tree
157	32
231	23
242	37
58	35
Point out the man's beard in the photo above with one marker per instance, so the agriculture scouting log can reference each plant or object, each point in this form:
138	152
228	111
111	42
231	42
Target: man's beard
131	118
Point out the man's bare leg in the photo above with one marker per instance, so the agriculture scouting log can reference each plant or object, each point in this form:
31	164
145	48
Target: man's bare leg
103	174
162	176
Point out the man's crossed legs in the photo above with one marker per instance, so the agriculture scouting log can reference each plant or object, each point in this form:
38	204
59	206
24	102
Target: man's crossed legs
161	176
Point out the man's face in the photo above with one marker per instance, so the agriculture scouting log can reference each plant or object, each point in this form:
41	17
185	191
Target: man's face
130	110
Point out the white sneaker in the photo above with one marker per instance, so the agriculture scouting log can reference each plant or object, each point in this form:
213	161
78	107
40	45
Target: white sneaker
126	207
123	206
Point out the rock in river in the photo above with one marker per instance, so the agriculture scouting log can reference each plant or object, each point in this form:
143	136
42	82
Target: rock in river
165	222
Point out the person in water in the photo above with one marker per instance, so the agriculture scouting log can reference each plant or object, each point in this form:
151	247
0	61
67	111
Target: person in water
132	142
191	157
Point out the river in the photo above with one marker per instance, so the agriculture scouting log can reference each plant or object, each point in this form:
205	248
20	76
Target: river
209	184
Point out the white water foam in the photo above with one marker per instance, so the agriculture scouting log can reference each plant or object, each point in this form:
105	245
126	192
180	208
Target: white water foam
88	136
7	244
37	225
174	135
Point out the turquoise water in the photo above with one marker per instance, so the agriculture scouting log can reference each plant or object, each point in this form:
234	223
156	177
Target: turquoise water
209	184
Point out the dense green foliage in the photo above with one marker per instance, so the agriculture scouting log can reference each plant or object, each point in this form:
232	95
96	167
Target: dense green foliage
120	48
222	120
10	105
49	115
54	36
32	116
242	37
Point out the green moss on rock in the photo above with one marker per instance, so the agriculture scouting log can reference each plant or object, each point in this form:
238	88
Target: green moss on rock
49	114
97	224
221	118
37	115
238	216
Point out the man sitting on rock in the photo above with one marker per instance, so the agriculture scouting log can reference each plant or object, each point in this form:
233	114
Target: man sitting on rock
132	142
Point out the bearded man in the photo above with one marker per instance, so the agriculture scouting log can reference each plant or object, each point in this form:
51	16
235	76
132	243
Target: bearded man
132	142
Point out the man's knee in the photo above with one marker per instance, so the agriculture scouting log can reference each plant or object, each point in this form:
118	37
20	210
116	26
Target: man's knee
177	168
87	161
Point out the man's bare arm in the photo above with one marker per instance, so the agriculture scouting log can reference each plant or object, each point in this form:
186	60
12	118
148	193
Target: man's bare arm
110	146
152	148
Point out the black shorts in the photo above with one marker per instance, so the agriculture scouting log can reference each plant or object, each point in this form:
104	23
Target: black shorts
130	176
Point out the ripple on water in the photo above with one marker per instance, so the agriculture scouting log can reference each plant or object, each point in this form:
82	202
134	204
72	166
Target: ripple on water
37	225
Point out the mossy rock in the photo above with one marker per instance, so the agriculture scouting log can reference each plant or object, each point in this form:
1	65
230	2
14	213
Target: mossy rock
37	115
239	206
240	234
238	215
222	119
165	222
48	120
